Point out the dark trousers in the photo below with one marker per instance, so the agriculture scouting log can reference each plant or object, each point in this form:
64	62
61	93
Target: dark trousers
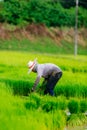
50	82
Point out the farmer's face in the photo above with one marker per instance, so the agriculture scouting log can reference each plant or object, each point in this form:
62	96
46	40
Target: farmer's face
33	69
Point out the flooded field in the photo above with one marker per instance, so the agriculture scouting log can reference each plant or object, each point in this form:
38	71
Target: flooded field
77	128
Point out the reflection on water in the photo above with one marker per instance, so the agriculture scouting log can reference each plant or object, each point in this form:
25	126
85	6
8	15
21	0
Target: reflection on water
77	128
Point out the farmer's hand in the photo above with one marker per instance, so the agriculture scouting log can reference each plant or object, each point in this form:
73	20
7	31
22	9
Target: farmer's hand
32	90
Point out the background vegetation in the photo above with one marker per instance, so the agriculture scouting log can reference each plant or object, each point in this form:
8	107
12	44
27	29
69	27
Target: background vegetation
49	12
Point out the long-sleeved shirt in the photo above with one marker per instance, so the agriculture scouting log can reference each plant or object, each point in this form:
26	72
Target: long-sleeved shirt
45	70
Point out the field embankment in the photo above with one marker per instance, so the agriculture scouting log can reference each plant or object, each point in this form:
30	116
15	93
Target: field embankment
39	38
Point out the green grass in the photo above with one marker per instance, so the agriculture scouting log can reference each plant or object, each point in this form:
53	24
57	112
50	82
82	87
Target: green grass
41	45
37	45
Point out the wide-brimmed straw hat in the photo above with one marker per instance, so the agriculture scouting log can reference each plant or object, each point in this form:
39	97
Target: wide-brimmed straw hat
31	65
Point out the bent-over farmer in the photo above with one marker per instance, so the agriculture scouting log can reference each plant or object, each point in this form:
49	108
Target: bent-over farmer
50	72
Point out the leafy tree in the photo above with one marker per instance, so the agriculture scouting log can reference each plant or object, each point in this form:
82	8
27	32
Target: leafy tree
48	12
2	19
15	11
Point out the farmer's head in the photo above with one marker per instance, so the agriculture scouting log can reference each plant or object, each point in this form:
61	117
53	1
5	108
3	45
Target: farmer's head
32	65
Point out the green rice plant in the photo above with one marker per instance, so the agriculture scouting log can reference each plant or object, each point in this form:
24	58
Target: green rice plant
33	101
36	97
31	105
13	69
49	105
59	121
72	85
14	115
74	106
61	102
83	105
8	104
53	103
20	59
74	120
19	87
83	118
29	121
36	111
45	103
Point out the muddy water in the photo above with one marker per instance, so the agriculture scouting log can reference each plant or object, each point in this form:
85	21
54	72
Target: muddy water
77	128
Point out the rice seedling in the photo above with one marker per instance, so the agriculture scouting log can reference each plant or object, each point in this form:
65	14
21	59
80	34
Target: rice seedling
74	120
14	114
73	83
83	105
74	106
37	111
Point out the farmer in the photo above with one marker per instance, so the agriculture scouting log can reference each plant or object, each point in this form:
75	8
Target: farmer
50	72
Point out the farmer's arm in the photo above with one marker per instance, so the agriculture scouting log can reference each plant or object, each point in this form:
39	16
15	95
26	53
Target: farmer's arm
36	83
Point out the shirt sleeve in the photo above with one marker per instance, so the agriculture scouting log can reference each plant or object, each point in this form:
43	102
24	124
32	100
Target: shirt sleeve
39	75
36	82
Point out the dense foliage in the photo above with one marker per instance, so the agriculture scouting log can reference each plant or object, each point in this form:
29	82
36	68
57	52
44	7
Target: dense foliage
49	12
